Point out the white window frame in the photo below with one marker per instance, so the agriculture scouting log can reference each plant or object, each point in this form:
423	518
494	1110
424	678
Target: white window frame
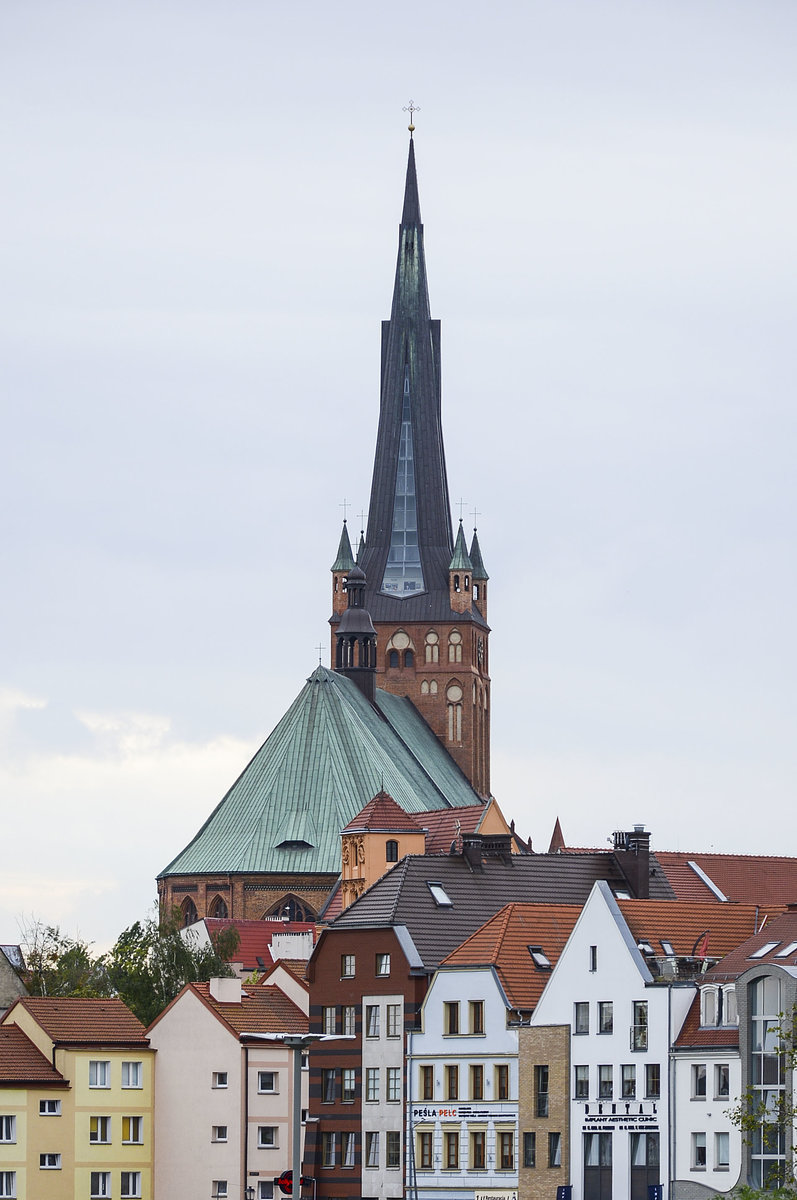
100	1073
219	1189
131	1184
8	1129
328	1022
349	1020
372	1085
372	1020
268	1091
348	966
372	1148
696	1147
393	1085
46	1111
382	965
265	1189
103	1127
722	1157
100	1185
268	1137
136	1126
219	1133
8	1184
393	1020
49	1162
220	1080
348	1085
133	1074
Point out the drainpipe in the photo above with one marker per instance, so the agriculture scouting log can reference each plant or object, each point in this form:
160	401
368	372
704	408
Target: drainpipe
246	1116
412	1173
670	1095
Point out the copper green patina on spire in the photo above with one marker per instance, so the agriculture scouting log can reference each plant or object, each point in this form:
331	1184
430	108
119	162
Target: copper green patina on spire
461	560
477	562
344	560
409	543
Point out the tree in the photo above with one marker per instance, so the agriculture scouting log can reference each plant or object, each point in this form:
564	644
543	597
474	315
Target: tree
59	965
153	960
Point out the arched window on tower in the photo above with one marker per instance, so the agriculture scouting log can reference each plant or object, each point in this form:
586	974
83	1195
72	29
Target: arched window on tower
219	908
455	646
190	914
454	712
467	583
433	687
409	658
432	647
392	658
456	583
391	851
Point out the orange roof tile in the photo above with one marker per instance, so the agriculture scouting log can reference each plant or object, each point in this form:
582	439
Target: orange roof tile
254	938
684	925
263	1009
22	1062
84	1021
769	881
781	929
444	825
384	815
704	1038
504	940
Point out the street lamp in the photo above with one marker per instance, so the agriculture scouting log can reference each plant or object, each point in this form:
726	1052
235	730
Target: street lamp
250	1193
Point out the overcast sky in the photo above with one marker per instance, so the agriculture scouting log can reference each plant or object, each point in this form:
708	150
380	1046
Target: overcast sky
199	228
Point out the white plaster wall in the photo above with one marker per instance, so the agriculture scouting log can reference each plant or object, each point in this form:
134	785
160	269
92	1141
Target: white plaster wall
709	1116
382	1052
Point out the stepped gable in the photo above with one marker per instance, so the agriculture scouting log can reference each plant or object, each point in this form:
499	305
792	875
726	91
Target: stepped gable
327	757
22	1063
503	942
403	896
769	880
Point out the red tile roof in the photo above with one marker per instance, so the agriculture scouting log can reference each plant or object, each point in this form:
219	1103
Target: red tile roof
81	1021
702	929
781	929
263	1009
254	938
504	940
692	1035
769	881
383	815
21	1062
445	825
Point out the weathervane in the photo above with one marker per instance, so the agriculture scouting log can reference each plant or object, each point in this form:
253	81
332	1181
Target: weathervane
411	108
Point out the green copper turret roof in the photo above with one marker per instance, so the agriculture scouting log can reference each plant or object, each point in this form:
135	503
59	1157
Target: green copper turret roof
328	756
345	560
477	562
461	560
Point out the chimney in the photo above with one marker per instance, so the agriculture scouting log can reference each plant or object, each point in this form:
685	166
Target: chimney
226	991
472	850
632	855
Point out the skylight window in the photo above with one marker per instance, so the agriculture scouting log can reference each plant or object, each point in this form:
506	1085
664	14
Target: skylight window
540	958
667	948
763	950
645	946
439	895
787	950
622	894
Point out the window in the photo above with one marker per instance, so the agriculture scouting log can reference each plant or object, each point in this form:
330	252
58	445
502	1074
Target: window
762	951
502	1082
49	1108
391	850
768	1078
393	1149
698	1151
652	1080
265	1190
131	1183
639	1030
409	658
392	658
451	1150
554	1149
541	1091
393	1014
133	1130
372	1020
439	895
722	1083
371	1149
266	1137
505	1150
454	711
540	958
99	1074
476	1009
132	1075
605	1016
455	646
50	1162
219	1079
327	1019
427	1083
8	1183
349	1019
451	1017
101	1184
628	1081
477	1082
383	964
349	1148
328	1149
645	1168
219	1133
328	1086
432	647
393	1083
581	1088
529	1149
708	1006
605	1084
424	1154
8	1129
698	1081
593	958
582	1017
372	1083
452	1082
347	966
722	1151
267	1081
100	1130
349	1086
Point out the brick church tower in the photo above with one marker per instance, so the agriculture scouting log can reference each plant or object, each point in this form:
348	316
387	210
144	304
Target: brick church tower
426	593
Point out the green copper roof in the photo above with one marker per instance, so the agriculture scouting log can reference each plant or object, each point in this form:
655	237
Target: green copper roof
328	756
344	561
461	560
476	559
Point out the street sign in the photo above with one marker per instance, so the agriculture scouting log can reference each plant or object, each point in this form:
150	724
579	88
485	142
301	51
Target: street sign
285	1182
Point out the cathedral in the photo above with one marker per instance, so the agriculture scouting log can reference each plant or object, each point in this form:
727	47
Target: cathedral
406	708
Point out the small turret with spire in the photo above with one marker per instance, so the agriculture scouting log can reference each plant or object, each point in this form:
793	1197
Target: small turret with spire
460	573
340	570
355	639
479	576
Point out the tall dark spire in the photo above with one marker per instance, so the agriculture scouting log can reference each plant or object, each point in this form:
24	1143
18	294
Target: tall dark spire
409	543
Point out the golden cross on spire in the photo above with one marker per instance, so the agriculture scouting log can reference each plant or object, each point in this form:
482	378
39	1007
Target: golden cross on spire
411	108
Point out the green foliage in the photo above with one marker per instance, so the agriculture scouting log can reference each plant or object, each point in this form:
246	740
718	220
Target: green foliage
58	965
153	960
